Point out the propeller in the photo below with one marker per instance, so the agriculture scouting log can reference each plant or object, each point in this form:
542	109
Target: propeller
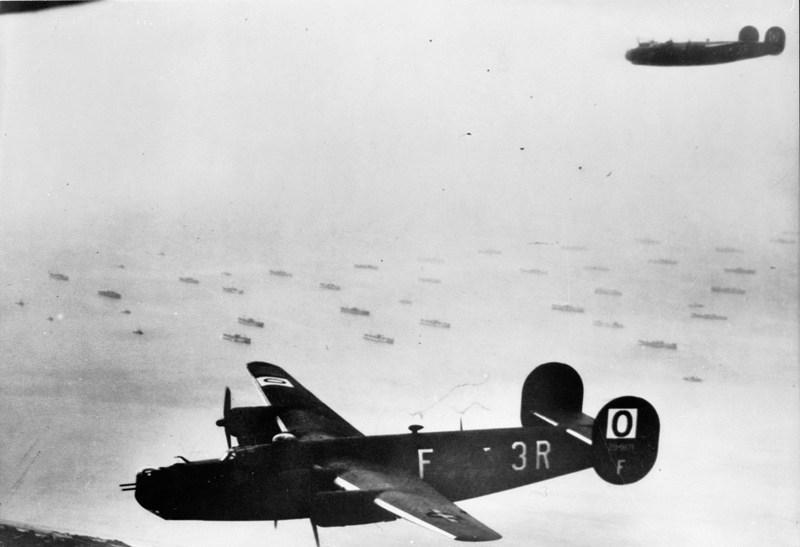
226	412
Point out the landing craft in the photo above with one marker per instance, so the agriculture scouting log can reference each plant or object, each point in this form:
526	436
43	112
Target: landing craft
297	459
709	53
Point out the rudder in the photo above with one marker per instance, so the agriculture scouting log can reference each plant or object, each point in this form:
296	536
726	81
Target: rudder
551	387
625	440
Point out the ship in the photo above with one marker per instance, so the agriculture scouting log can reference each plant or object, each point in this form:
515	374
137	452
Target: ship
490	252
232	290
430	280
567	308
405	301
727	250
663	261
727	290
139	332
534	271
596	268
692	379
607	292
250	322
379	338
110	294
125	312
709	316
190	280
784	241
607	325
353	311
648	241
238	338
430	260
59	276
434	323
658	344
695	305
226	274
330	286
280	273
365	266
742	271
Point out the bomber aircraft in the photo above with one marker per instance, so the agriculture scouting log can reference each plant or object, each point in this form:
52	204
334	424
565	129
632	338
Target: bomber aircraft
297	458
709	53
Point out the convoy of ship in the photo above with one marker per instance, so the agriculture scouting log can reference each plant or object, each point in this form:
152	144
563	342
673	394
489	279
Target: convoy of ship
232	290
741	271
567	308
709	316
353	311
607	292
238	338
330	286
434	323
381	339
658	344
728	290
250	322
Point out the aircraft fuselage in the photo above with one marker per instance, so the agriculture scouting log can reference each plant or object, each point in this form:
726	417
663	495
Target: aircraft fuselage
295	479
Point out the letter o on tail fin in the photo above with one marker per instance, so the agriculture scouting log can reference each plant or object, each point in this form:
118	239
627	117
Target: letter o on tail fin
625	440
551	386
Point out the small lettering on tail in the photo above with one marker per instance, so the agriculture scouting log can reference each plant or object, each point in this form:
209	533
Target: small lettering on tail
621	423
270	381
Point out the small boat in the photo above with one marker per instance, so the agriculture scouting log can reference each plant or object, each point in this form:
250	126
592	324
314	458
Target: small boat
607	292
567	308
250	322
232	290
330	286
434	323
607	325
658	344
238	338
727	290
58	276
709	316
190	280
353	311
379	338
110	294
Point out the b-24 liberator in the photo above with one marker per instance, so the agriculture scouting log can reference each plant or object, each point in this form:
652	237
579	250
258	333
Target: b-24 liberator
709	53
298	459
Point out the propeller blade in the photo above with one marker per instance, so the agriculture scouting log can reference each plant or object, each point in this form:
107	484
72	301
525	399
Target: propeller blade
226	412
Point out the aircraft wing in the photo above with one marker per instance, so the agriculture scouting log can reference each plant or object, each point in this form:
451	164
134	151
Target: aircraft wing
411	498
299	412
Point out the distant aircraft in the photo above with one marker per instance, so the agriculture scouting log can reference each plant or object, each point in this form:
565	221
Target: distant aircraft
709	53
7	7
297	458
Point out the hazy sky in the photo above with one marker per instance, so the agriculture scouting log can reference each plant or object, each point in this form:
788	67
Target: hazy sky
347	116
275	131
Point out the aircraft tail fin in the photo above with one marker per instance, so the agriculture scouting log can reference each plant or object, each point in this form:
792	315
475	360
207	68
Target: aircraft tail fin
777	37
553	394
625	440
